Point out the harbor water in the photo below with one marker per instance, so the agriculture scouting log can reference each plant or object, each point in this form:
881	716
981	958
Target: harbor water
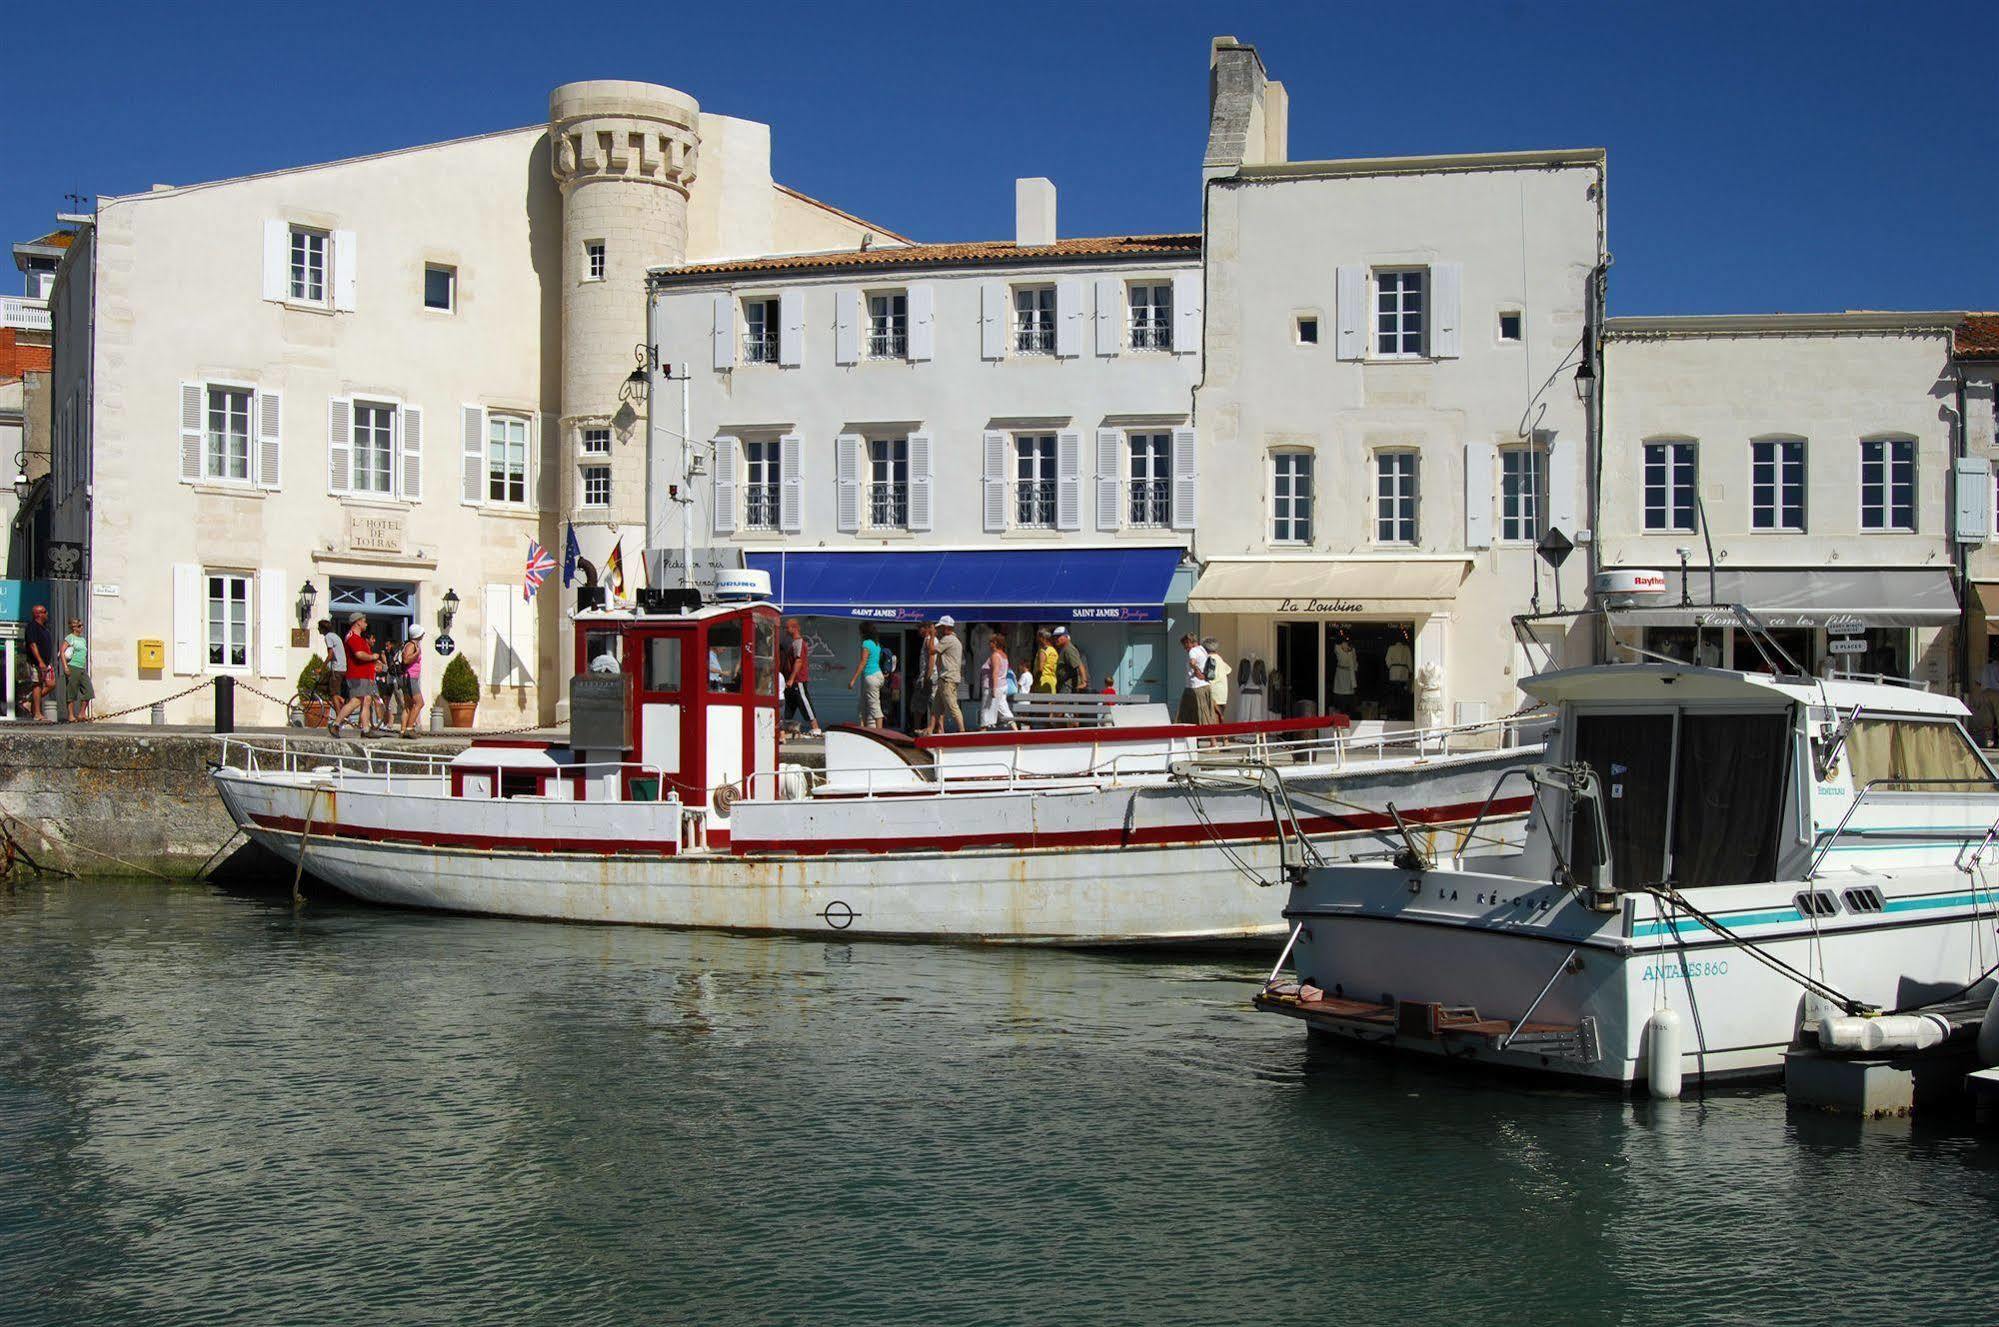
216	1110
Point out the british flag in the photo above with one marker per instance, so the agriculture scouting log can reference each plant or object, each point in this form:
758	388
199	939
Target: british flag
540	563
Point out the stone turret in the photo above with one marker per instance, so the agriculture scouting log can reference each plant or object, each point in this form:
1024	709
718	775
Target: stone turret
625	155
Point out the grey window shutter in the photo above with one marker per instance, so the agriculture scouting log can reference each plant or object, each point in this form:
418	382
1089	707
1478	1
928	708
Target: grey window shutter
1351	341
725	331
270	440
1068	481
191	394
409	454
1186	313
339	445
791	318
847	482
993	482
1110	442
1480	459
846	326
1068	319
922	322
919	482
1110	314
346	270
791	484
722	487
1447	310
472	455
277	259
992	320
1186	477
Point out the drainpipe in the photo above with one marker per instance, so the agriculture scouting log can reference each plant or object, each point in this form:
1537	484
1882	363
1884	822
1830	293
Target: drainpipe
1959	550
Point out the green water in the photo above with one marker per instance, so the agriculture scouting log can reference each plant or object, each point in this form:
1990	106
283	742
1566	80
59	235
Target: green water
214	1111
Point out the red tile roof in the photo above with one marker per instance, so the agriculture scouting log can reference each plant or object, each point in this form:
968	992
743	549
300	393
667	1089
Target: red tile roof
17	359
977	253
1978	338
55	239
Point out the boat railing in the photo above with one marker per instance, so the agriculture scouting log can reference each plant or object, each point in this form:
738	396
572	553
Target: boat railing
1843	828
412	773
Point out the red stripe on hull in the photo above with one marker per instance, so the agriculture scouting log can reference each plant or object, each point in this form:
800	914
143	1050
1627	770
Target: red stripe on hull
483	842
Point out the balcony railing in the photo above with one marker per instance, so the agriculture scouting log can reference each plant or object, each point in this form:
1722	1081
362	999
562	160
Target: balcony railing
888	345
759	348
1150	335
760	507
1034	338
21	311
1149	502
1034	504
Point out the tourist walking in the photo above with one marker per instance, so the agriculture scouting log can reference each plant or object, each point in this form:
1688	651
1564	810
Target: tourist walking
361	661
76	676
948	650
1044	662
868	675
1072	671
411	681
42	658
337	701
997	676
1219	673
794	670
1197	702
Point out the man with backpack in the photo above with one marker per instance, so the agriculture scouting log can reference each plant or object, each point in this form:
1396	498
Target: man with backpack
1197	702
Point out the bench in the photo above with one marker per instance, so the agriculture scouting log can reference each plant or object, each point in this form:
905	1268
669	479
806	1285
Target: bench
1086	709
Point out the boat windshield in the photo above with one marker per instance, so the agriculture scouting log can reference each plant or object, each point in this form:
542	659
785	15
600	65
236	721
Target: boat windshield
1926	751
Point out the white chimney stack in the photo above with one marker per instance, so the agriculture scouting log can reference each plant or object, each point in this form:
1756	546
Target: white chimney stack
1033	211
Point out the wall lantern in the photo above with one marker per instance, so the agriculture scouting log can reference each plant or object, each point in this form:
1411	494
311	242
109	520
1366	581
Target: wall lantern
307	597
447	610
1586	379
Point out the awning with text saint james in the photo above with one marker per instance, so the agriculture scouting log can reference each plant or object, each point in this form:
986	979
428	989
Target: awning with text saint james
1404	586
975	585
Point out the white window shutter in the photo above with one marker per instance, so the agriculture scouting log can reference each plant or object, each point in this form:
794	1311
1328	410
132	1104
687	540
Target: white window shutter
346	269
791	318
722	488
993	482
472	455
274	610
992	321
270	441
1565	485
725	331
409	454
1068	319
1186	313
191	405
1110	443
277	259
1186	477
1480	460
1068	481
189	606
1447	337
791	484
919	482
1110	314
846	326
922	322
847	482
339	445
1351	340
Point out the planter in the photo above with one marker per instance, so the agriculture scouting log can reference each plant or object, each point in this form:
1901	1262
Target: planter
461	715
315	713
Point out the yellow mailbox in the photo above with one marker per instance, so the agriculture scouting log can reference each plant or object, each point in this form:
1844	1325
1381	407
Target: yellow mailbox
152	654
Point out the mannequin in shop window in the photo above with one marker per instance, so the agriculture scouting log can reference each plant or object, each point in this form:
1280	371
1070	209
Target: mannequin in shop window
1346	672
1400	661
1252	680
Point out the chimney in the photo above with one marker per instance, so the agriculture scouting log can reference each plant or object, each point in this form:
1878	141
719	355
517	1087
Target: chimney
1248	115
1033	211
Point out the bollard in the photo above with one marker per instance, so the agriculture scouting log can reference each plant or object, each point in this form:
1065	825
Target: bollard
158	714
437	717
225	704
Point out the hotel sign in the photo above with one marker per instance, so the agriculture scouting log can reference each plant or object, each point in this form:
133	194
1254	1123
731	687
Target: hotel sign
374	532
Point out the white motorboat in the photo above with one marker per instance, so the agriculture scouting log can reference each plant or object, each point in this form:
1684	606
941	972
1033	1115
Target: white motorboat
670	805
1719	866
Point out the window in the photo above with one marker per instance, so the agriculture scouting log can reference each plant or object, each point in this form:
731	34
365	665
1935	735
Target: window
888	483
1913	749
308	268
1308	330
597	440
888	326
1888	484
440	287
596	485
764	474
1034	481
1669	485
1395	497
1152	315
507	459
1523	484
1509	324
593	260
1150	500
228	622
725	656
1291	498
1777	484
227	455
1398	311
374	447
1034	320
663	664
760	331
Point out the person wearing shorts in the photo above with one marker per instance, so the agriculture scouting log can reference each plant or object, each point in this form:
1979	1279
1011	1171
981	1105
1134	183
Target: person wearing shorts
412	681
76	676
360	677
868	675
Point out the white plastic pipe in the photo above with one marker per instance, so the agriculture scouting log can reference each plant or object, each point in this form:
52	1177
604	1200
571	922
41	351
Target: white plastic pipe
1662	1054
1889	1032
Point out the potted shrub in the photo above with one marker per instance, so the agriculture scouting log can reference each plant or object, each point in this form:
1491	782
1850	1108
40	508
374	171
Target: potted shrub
460	692
312	691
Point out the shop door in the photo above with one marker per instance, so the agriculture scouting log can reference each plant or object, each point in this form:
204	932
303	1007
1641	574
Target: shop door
1142	672
1632	755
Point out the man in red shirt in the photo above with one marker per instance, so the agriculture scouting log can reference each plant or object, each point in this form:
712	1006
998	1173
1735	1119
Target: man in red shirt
360	677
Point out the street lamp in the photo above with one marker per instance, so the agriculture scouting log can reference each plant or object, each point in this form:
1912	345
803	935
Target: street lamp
21	480
307	597
447	610
1586	379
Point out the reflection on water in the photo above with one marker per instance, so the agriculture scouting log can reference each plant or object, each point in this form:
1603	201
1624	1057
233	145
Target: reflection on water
213	1110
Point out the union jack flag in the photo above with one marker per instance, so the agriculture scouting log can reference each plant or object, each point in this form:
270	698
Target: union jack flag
540	563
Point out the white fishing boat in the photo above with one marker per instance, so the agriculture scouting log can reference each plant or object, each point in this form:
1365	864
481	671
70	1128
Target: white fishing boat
671	805
1719	866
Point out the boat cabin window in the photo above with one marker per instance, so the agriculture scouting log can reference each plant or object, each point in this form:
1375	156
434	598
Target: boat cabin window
1915	749
766	641
663	664
725	656
519	783
604	651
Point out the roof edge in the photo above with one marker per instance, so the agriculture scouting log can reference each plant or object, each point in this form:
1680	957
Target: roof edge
1936	321
840	212
896	258
1450	162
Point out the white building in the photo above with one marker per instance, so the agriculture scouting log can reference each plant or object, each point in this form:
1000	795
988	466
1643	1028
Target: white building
1815	455
1387	415
382	378
1976	355
998	431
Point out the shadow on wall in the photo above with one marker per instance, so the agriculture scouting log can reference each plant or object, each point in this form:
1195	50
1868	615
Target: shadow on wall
542	196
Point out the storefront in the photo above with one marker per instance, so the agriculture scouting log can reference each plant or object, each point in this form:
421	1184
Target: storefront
1118	603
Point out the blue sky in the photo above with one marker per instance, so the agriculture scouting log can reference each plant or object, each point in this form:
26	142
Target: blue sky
1762	156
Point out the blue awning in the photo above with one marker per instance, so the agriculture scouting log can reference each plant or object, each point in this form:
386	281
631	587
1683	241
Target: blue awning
983	585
